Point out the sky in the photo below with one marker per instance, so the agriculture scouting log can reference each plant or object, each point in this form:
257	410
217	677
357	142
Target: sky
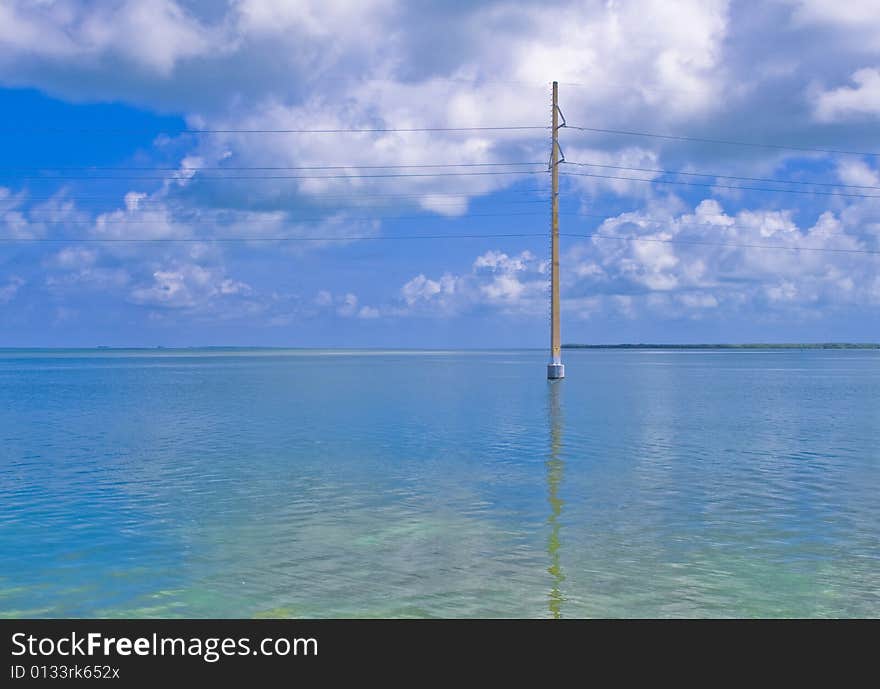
158	121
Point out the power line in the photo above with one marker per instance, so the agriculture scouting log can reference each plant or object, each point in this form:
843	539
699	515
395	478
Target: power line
349	238
293	219
230	217
173	178
666	222
725	142
662	222
724	186
423	217
212	216
185	168
376	130
282	238
720	176
307	196
639	87
726	245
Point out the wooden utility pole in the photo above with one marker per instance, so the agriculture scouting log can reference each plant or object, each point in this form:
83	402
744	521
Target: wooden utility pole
555	368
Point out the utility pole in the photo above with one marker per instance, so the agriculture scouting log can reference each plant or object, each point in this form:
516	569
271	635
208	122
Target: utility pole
555	369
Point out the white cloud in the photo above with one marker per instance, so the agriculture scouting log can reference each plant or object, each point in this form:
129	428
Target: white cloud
708	259
324	298
75	257
499	261
857	172
834	12
331	20
504	288
150	34
88	277
608	170
381	63
514	284
80	266
847	102
348	305
10	289
784	291
698	300
187	286
653	65
421	288
229	286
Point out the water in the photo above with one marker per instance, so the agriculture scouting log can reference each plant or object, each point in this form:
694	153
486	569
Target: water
298	483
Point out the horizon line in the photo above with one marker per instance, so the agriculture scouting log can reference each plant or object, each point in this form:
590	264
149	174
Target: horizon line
620	345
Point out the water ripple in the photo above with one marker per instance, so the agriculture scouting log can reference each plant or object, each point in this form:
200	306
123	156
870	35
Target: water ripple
439	484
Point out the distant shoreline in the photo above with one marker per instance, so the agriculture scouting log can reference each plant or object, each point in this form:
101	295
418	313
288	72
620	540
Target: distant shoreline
221	349
790	345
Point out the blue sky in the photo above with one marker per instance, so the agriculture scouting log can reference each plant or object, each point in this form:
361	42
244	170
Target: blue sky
113	84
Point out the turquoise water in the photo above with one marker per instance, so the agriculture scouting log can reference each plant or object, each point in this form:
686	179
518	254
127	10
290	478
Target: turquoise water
457	484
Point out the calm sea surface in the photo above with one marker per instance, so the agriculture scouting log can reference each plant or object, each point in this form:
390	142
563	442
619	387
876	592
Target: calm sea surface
457	484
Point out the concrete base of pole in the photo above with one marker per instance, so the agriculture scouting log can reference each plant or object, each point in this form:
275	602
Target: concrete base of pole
555	371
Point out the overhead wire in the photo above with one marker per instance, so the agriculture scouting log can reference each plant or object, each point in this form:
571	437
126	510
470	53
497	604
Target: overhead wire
195	131
196	168
285	238
721	186
297	220
180	175
723	244
307	196
173	178
677	223
770	180
282	238
725	142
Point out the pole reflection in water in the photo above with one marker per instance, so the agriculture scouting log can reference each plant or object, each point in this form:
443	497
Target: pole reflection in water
555	467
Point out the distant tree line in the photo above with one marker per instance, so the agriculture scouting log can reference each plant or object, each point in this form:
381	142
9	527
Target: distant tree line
788	345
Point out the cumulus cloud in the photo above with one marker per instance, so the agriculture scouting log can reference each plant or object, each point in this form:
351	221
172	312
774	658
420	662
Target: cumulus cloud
862	99
715	69
151	34
858	173
828	11
710	259
346	305
421	288
514	284
649	64
607	171
187	286
691	264
24	218
80	267
10	288
385	69
75	257
324	298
